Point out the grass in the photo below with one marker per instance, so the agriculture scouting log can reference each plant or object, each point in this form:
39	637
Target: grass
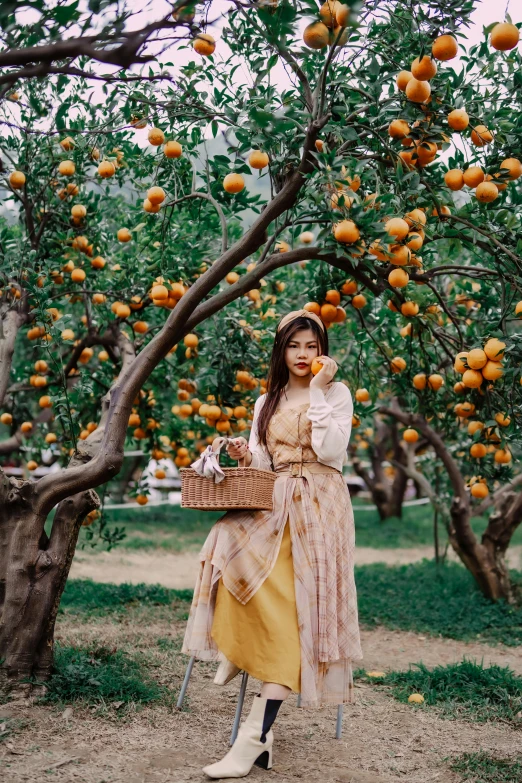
483	768
466	690
437	600
84	595
100	676
174	529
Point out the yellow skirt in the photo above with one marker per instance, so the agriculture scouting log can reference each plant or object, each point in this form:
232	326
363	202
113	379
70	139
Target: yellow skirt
262	636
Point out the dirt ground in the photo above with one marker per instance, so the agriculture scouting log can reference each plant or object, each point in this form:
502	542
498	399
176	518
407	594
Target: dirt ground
383	741
179	570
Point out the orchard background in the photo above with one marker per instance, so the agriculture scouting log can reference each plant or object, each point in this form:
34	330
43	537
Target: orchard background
174	179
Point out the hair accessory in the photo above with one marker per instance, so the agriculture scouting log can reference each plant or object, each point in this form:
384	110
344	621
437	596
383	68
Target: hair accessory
298	314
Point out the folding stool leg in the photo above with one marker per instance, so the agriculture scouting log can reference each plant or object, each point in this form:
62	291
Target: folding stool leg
184	687
239	708
298	699
339	724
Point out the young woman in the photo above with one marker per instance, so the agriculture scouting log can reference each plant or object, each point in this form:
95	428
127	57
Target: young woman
275	595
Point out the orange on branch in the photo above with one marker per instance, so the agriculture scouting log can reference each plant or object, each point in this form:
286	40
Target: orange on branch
398	129
472	379
398	278
204	44
480	136
444	48
458	119
423	69
478	450
156	195
172	149
409	309
492	371
403	77
494	349
362	395
359	301
347	232
151	208
473	176
398	364
454	179
504	36
476	358
66	168
124	235
486	192
316	35
513	166
397	228
435	381
420	380
233	183
258	159
410	435
418	91
78	275
333	297
17	179
328	313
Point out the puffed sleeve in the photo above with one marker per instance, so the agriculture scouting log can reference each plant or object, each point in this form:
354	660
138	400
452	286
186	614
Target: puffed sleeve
331	421
260	456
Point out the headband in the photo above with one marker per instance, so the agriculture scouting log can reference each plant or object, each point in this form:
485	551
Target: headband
299	314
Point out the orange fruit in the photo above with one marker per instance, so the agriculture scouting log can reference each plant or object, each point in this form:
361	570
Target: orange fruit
480	136
420	380
441	211
518	309
409	309
472	379
398	278
142	500
124	235
400	255
414	240
204	44
327	12
78	211
410	435
504	36
151	208
444	48
67	168
458	119
328	313
316	35
397	228
26	427
45	401
476	358
435	381
159	292
156	195
359	301
123	311
479	490
191	340
313	307
502	456
258	159
349	287
494	349
362	395
78	275
333	297
513	166
316	366
454	179
416	218
473	176
307	237
418	91
31	465
403	77
140	327
398	129
424	69
67	144
17	179
486	192
478	450
156	137
106	169
172	149
398	364
492	371
502	420
347	232
342	14
233	183
319	145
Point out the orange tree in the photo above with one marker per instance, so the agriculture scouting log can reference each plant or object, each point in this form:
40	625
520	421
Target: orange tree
136	266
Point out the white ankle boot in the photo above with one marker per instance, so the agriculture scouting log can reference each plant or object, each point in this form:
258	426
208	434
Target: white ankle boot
226	671
248	748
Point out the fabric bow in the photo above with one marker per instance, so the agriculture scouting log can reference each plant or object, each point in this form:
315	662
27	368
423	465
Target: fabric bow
208	463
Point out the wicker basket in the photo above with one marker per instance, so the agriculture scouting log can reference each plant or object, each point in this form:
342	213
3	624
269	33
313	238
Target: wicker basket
242	487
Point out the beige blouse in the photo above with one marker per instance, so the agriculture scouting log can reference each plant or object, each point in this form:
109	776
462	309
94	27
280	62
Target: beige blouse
330	412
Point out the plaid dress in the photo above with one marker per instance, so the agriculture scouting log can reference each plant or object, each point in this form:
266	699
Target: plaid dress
243	546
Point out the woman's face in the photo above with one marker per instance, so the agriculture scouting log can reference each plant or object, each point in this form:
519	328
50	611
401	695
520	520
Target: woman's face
301	350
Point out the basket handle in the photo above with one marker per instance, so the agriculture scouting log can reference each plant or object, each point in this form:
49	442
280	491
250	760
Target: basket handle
217	445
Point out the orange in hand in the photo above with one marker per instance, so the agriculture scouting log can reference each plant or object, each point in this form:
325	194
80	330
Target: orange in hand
316	366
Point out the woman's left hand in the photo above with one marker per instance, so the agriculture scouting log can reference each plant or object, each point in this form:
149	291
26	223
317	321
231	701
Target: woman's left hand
324	376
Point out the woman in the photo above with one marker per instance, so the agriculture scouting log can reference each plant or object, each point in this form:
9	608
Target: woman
275	595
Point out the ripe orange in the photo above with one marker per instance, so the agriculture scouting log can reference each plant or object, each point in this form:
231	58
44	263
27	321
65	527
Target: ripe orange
472	379
494	349
123	311
441	211
479	490
124	235
319	145
342	14
473	176
514	166
478	450
424	69
313	307
327	12
454	179
31	465
328	312
316	35
191	340
480	136
204	44
397	227
504	36
142	500
347	232
398	278
444	48
17	179
307	237
486	192
151	208
45	401
359	301
398	129
362	395
6	418
502	456
492	371
106	169
349	287
99	298
316	367
159	292
410	435
26	427
409	309
403	77
333	297
416	218
420	380
502	420
414	240
41	365
78	275
156	137
400	255
518	309
233	183
156	195
172	149
458	119
435	381
418	91
67	168
426	152
476	359
141	327
398	364
78	211
258	159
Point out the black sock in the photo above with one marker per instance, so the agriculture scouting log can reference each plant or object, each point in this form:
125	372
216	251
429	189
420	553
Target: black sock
271	710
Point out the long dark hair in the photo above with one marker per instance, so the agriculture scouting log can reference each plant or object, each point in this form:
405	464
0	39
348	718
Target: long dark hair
278	373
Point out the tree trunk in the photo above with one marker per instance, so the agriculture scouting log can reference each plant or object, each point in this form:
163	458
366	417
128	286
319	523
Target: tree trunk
33	572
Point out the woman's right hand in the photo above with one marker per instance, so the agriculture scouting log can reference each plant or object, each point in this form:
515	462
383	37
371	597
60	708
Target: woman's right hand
237	448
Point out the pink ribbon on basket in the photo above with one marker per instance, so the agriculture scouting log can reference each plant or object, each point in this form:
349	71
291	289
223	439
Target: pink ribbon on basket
208	463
